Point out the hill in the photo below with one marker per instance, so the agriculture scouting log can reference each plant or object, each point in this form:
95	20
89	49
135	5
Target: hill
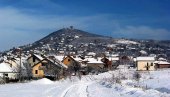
79	42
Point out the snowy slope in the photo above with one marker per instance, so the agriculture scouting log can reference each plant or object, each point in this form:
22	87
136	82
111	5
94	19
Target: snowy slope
101	85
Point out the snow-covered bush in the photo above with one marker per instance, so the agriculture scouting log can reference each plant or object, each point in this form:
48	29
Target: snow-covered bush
136	76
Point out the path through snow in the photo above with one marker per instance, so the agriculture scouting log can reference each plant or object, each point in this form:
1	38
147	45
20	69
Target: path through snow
88	86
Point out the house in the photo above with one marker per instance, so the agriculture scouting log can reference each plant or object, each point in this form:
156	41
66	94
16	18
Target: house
125	60
84	65
18	65
111	62
162	63
94	64
7	71
48	68
145	63
72	64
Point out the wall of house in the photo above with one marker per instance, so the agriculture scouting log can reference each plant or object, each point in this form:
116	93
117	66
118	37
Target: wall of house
40	73
14	64
67	61
96	66
30	61
163	65
141	65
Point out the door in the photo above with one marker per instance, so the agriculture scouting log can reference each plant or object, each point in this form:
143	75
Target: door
147	66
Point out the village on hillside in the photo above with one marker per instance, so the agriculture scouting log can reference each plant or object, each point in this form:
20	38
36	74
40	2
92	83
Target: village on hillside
20	67
60	75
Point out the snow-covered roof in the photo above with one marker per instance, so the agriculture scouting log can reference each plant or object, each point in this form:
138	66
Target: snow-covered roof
5	67
143	52
78	59
162	62
60	58
62	64
57	62
145	58
161	59
39	57
114	58
93	60
91	53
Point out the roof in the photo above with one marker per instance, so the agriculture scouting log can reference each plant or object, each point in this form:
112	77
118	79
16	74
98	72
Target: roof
75	58
161	59
145	58
5	67
39	57
55	62
93	60
60	58
114	58
162	62
60	63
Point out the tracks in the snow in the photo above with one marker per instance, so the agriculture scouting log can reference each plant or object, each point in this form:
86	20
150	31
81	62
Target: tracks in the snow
76	90
81	89
88	95
65	92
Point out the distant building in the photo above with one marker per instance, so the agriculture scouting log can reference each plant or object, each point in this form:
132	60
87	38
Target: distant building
145	63
162	63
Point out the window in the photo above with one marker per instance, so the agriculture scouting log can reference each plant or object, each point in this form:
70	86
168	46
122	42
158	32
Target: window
68	59
10	65
36	71
151	64
6	75
43	64
33	59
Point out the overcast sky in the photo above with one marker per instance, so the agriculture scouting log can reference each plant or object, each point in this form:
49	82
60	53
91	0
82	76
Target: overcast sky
25	21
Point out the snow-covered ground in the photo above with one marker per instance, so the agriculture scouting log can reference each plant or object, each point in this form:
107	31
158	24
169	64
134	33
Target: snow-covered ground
102	85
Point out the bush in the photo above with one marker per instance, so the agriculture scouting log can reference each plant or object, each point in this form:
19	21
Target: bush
136	76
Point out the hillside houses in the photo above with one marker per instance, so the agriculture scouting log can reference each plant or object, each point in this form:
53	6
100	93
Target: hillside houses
59	66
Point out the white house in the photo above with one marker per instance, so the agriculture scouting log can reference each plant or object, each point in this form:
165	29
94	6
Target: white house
145	63
6	70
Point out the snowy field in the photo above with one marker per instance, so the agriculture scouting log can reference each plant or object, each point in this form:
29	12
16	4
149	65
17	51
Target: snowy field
151	84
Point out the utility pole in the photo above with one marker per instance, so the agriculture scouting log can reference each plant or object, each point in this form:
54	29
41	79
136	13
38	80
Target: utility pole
20	63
